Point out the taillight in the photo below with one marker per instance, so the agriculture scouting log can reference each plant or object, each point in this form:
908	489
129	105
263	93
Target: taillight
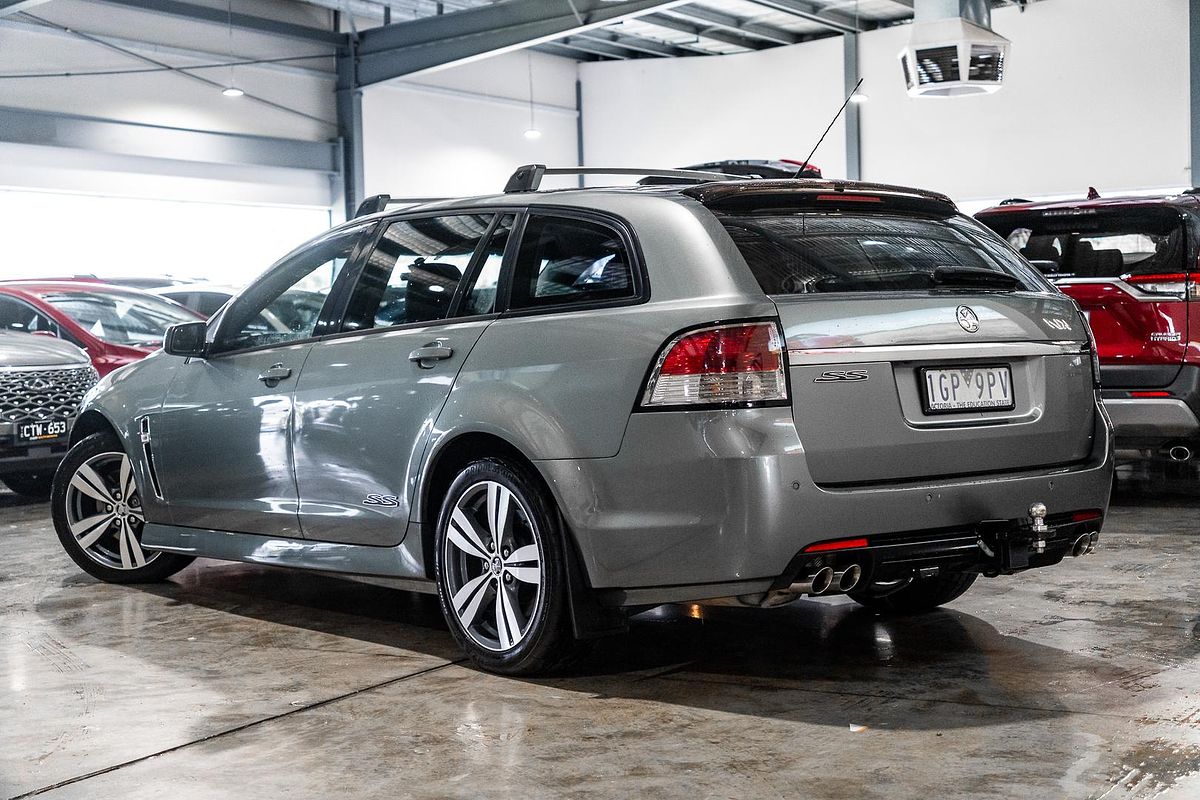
727	365
1175	285
1090	347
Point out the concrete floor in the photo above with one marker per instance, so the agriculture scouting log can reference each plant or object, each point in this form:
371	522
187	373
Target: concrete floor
1081	681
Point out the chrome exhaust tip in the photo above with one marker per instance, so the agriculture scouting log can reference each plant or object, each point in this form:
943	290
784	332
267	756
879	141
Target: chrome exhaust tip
814	584
1180	453
846	579
1092	541
1081	546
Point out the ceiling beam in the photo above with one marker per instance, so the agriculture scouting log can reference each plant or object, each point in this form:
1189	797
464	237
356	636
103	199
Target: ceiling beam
409	47
731	23
9	7
704	31
219	16
833	20
596	48
636	43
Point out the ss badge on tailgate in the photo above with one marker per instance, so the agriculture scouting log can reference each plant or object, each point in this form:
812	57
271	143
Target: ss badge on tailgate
842	375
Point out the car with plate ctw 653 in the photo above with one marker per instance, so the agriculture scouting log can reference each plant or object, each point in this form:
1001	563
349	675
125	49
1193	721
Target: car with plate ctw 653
554	407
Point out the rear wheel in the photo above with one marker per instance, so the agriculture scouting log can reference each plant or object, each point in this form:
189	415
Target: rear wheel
32	484
501	573
97	511
918	596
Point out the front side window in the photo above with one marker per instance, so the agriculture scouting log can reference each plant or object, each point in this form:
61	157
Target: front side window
415	270
118	317
565	260
805	253
285	305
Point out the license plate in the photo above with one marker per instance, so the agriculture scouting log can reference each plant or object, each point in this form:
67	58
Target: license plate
41	431
968	389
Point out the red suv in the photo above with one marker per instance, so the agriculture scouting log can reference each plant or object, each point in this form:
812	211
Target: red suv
1131	264
115	325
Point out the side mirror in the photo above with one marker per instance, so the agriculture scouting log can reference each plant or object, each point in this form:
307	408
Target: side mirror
186	339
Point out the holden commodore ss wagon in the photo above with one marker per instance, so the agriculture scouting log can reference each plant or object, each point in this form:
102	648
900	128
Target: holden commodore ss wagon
553	407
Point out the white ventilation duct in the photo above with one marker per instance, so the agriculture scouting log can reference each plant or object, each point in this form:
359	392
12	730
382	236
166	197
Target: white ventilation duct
953	50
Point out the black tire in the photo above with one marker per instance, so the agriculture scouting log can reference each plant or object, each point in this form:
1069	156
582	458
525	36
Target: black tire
104	447
32	484
546	643
918	597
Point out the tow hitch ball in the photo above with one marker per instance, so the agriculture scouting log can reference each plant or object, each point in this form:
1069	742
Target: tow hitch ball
1037	513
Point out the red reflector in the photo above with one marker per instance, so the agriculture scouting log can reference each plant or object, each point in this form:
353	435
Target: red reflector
850	198
838	544
739	348
1149	394
1084	516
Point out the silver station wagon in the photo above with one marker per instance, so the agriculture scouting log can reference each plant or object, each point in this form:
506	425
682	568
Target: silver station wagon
553	408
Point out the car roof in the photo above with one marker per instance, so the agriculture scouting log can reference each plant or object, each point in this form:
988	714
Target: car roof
676	193
184	288
68	286
1100	203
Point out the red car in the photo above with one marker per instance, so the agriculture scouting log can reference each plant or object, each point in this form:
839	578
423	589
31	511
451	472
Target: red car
1131	264
115	325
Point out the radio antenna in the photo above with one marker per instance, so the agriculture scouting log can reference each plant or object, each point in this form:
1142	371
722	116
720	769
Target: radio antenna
836	116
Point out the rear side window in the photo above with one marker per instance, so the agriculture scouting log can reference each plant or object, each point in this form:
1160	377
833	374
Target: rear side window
806	253
415	269
1097	245
565	260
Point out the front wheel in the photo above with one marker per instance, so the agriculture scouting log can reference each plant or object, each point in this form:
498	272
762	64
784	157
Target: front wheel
501	572
919	596
97	511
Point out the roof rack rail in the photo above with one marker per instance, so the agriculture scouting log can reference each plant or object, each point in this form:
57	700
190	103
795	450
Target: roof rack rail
378	202
529	177
1015	201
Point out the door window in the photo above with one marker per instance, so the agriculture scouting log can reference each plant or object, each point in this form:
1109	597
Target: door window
285	305
481	297
18	316
565	260
415	270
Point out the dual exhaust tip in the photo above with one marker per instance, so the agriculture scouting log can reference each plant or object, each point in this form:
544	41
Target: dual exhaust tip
1084	544
826	578
1180	453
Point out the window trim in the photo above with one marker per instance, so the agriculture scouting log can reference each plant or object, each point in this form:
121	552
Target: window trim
330	312
637	264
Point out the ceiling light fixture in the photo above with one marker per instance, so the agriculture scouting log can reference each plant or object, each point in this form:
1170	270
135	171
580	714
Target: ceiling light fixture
232	91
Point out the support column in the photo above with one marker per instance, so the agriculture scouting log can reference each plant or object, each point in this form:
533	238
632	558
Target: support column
850	74
349	121
1194	81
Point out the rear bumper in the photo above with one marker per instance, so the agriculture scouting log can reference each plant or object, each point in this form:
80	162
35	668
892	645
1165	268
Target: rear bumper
1151	422
718	503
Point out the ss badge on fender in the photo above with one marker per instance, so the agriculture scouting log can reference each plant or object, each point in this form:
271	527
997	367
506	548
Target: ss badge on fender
389	500
842	375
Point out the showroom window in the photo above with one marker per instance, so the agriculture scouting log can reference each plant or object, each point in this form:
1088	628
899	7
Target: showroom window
286	305
415	269
567	260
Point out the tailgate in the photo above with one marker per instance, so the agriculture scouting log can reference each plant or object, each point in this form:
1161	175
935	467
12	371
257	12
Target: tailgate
893	387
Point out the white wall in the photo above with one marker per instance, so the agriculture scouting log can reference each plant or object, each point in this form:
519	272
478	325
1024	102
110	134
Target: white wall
460	131
670	112
1096	95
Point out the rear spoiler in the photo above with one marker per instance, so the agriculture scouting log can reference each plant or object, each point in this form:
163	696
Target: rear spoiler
788	193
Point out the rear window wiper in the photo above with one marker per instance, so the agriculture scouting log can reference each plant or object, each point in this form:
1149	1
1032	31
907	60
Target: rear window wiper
975	277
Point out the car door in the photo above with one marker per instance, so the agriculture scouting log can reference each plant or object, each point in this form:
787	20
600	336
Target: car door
222	439
368	397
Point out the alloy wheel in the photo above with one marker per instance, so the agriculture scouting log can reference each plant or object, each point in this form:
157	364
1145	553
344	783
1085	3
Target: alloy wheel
104	512
493	558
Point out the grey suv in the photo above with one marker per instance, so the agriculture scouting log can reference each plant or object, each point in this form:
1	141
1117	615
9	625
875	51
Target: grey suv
42	380
551	408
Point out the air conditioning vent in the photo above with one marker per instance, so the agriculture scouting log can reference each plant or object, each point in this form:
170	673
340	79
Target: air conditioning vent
953	51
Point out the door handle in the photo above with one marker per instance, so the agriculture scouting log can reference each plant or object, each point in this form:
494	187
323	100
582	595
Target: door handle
424	357
274	374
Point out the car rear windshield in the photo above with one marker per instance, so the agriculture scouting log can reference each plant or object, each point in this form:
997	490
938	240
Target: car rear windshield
120	318
1096	244
806	253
